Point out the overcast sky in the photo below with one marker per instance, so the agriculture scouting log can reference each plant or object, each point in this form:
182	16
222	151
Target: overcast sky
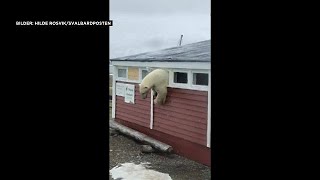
148	25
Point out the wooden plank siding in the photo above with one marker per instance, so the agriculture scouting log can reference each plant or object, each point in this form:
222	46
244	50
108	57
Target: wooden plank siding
138	113
183	116
180	146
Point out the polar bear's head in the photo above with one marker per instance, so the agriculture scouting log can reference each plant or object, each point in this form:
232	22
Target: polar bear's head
144	90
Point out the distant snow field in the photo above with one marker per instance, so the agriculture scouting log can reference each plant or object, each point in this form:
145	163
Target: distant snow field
131	171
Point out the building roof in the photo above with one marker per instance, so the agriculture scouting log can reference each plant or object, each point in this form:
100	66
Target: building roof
195	52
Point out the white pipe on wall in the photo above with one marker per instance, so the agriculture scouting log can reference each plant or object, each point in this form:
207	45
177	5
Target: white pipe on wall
151	111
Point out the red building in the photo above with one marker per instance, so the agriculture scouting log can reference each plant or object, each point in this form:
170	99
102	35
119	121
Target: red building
184	121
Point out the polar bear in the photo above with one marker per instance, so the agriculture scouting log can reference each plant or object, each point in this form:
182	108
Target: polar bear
158	81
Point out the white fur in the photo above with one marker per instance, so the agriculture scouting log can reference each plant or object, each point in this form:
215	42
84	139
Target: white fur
158	81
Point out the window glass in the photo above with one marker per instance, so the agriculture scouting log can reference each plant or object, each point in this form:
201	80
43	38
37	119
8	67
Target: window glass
200	79
180	77
144	73
122	73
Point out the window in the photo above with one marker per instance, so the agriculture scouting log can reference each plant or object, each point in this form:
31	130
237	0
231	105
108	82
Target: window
144	72
180	77
194	79
122	73
200	79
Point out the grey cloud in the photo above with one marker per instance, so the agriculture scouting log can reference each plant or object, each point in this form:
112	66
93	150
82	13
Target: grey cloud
134	33
155	42
160	6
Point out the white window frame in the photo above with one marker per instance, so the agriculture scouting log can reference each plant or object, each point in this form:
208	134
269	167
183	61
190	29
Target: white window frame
189	85
140	72
122	78
127	70
178	85
202	87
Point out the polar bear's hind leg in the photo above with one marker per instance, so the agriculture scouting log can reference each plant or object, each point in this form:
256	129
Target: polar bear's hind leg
161	97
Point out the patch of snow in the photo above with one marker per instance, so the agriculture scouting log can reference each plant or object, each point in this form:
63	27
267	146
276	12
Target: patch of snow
131	171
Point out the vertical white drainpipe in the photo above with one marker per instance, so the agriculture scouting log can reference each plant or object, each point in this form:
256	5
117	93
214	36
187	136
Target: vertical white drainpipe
209	113
115	75
151	111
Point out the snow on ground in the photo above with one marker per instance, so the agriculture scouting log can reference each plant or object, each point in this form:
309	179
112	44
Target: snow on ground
131	171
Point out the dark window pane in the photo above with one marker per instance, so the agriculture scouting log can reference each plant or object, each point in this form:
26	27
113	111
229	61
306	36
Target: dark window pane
144	73
180	77
200	79
122	73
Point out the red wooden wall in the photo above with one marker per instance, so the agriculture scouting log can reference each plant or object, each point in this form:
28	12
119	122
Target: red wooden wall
138	113
184	115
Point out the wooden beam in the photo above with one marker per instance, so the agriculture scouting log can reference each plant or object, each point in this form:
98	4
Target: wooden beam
141	137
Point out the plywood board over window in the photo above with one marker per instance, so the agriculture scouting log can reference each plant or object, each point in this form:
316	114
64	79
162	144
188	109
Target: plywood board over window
133	73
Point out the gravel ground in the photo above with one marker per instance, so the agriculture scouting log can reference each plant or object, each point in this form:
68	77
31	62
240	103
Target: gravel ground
125	149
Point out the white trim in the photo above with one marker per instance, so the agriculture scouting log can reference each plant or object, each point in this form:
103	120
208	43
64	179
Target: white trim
179	85
115	74
122	78
182	65
209	113
129	81
202	87
189	88
140	71
151	111
189	85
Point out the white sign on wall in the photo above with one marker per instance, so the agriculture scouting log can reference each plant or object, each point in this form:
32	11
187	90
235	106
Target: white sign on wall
120	89
129	93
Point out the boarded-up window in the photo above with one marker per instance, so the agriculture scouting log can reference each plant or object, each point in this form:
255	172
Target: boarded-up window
144	73
133	73
180	77
200	79
122	73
